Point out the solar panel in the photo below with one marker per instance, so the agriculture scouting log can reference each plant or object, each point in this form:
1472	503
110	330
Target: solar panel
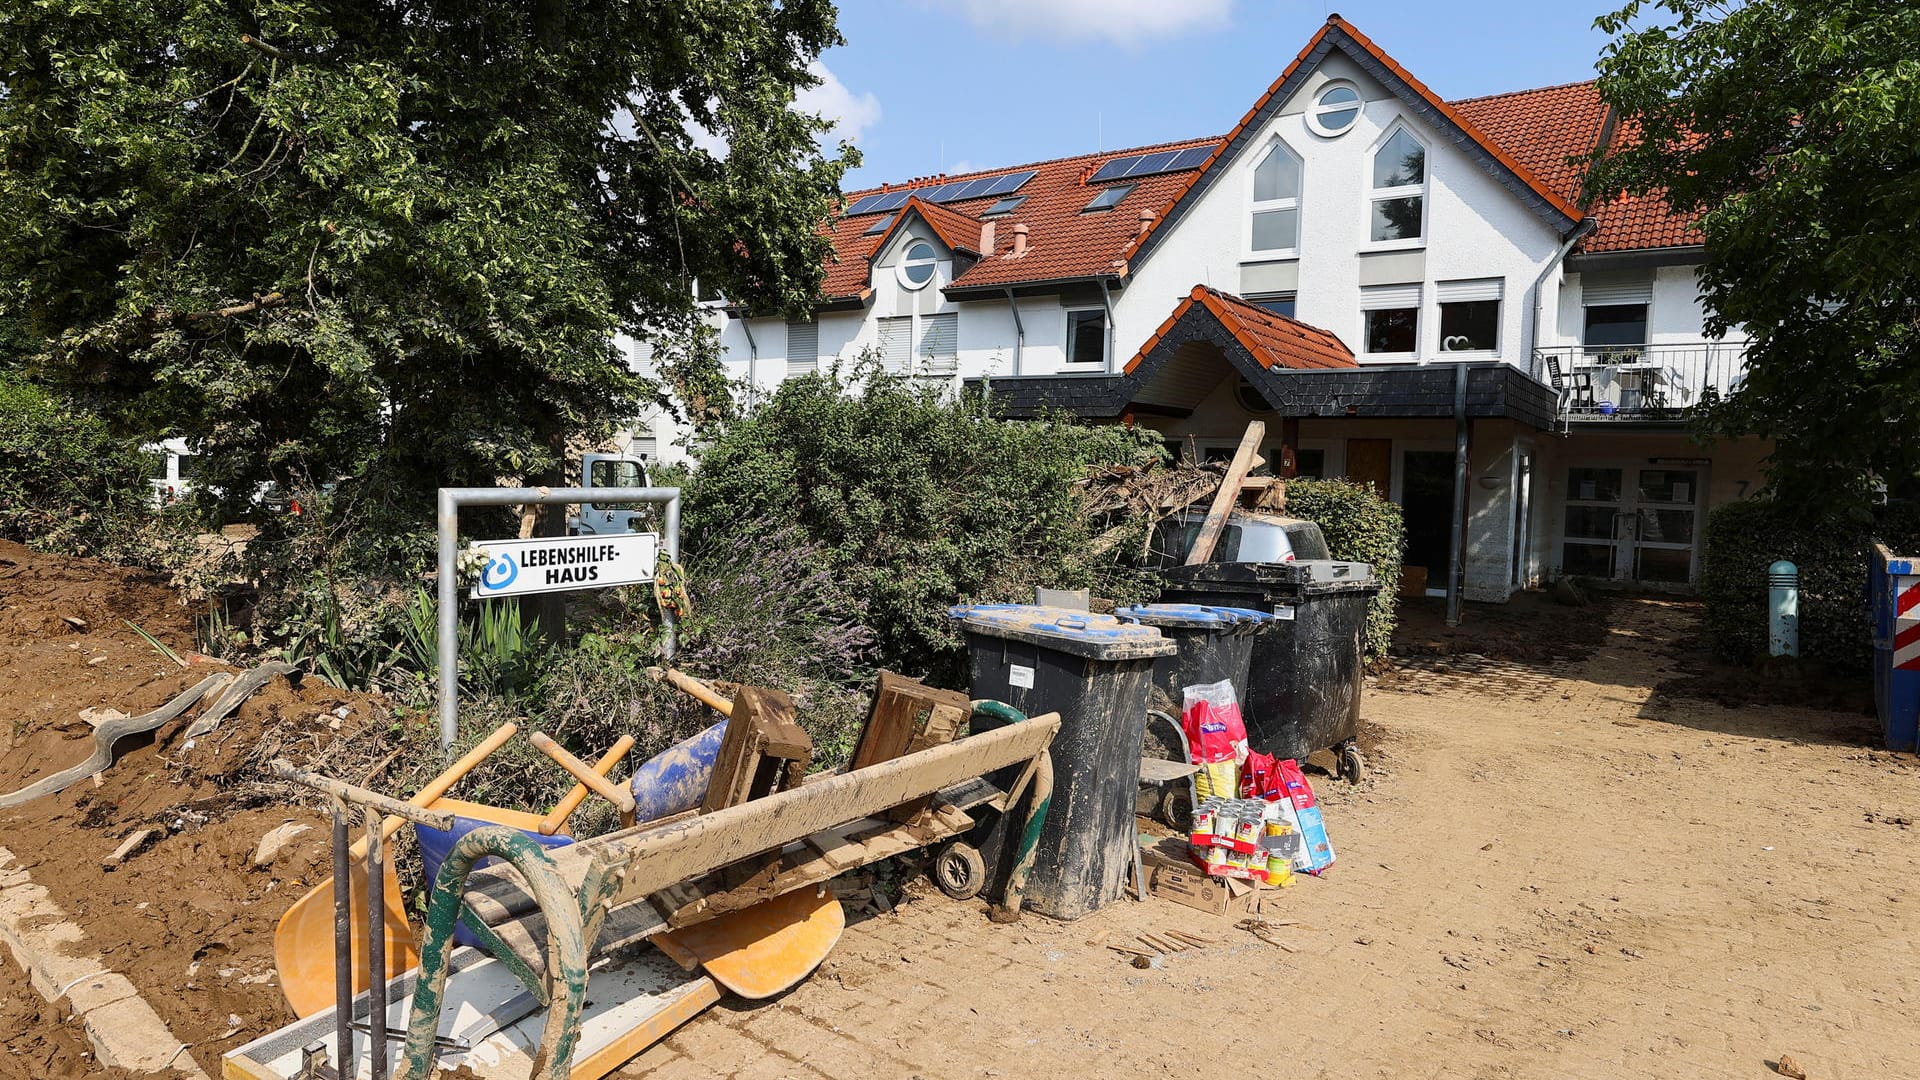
979	187
1147	164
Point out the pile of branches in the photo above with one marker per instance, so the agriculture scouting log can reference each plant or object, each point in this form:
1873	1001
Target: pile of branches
1126	502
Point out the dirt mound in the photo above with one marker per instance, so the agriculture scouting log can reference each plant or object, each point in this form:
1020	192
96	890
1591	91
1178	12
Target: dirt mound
38	592
186	916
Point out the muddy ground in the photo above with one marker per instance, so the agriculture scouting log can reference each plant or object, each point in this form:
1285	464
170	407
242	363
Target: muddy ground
1563	864
186	917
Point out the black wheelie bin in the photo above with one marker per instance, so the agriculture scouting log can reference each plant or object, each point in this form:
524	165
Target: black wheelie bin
1303	684
1094	671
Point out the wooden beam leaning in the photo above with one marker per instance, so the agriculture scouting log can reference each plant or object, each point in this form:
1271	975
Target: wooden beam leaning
649	859
1228	496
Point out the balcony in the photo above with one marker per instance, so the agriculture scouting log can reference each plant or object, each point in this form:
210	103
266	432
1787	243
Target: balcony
1639	383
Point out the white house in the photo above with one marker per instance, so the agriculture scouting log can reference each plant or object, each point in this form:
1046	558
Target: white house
1408	291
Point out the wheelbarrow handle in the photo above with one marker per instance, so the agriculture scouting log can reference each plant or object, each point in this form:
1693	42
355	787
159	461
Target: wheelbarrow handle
693	688
443	783
618	795
565	807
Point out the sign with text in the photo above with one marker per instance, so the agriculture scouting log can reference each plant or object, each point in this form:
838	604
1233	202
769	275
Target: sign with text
558	563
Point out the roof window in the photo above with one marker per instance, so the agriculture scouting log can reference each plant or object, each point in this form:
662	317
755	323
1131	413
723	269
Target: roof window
879	225
1108	198
1005	206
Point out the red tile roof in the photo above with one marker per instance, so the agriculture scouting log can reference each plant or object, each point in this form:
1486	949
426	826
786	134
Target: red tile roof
1062	242
1533	133
1274	339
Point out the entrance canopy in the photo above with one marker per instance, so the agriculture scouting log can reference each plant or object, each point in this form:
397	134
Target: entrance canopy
1297	369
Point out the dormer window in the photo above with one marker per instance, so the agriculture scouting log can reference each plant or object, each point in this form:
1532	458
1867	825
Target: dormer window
1335	110
1276	202
1108	198
917	267
1399	195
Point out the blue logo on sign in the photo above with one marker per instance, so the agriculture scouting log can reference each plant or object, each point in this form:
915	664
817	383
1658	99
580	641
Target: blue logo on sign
500	572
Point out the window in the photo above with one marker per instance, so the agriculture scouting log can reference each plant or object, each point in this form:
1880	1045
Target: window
939	347
1276	201
1087	336
1278	303
1108	198
916	269
1310	463
615	473
1335	110
803	348
1616	324
1392	320
879	225
1469	315
896	344
1005	206
1399	189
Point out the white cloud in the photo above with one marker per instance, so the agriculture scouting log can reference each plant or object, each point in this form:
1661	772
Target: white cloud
852	114
1124	22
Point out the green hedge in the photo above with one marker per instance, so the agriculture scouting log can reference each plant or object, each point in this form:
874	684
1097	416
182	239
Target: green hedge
1362	527
66	481
1831	552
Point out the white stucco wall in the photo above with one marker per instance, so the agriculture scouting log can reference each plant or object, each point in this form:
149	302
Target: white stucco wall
1475	229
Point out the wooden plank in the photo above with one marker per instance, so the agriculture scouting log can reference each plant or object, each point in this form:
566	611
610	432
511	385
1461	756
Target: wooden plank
1225	499
657	856
839	853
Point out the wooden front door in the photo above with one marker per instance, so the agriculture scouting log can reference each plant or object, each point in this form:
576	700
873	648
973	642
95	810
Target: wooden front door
1370	461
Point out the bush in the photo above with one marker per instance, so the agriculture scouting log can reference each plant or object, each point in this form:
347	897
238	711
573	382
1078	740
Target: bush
66	482
1831	551
916	500
1360	526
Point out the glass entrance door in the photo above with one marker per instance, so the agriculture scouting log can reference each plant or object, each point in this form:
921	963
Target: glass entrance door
1645	531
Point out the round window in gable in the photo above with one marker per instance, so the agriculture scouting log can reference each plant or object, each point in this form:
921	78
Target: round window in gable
916	268
1335	110
1250	397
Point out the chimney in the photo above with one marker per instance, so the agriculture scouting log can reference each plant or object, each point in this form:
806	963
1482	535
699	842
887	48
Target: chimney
1146	221
1019	239
986	238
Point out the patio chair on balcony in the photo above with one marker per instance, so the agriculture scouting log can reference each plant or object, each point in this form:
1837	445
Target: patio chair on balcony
1575	389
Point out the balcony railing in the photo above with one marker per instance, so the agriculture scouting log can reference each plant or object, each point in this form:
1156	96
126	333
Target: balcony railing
1639	382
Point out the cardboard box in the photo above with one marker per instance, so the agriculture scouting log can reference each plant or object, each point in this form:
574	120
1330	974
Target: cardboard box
1171	875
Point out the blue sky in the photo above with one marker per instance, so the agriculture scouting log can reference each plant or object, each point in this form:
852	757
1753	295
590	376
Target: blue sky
985	83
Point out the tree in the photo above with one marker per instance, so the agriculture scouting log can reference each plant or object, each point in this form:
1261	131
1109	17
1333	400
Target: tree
1787	128
396	240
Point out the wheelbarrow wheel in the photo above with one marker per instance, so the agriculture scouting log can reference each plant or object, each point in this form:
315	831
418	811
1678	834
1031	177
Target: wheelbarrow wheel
1176	806
1352	766
959	870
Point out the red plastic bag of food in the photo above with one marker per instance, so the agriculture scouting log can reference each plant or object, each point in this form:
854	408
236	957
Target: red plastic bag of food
1215	729
1260	777
1293	783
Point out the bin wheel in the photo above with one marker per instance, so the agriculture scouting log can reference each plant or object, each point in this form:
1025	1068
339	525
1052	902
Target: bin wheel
1176	806
959	870
1352	766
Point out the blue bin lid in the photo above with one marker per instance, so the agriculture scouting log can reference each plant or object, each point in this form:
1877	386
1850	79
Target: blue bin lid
1081	633
1187	616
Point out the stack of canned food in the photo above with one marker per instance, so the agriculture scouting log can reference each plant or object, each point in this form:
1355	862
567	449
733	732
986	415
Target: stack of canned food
1245	838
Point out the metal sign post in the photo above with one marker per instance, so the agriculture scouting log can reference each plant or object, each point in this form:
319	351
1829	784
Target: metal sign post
568	559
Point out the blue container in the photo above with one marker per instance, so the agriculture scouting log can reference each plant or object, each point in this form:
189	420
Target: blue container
676	779
436	843
1216	645
1894	592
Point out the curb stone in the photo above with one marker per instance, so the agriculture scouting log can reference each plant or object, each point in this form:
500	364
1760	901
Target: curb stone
124	1030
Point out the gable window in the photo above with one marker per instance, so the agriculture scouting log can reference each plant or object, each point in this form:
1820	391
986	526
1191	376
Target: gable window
1108	198
1335	110
1087	337
1399	196
1470	315
803	348
1392	315
1278	303
917	267
1276	201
